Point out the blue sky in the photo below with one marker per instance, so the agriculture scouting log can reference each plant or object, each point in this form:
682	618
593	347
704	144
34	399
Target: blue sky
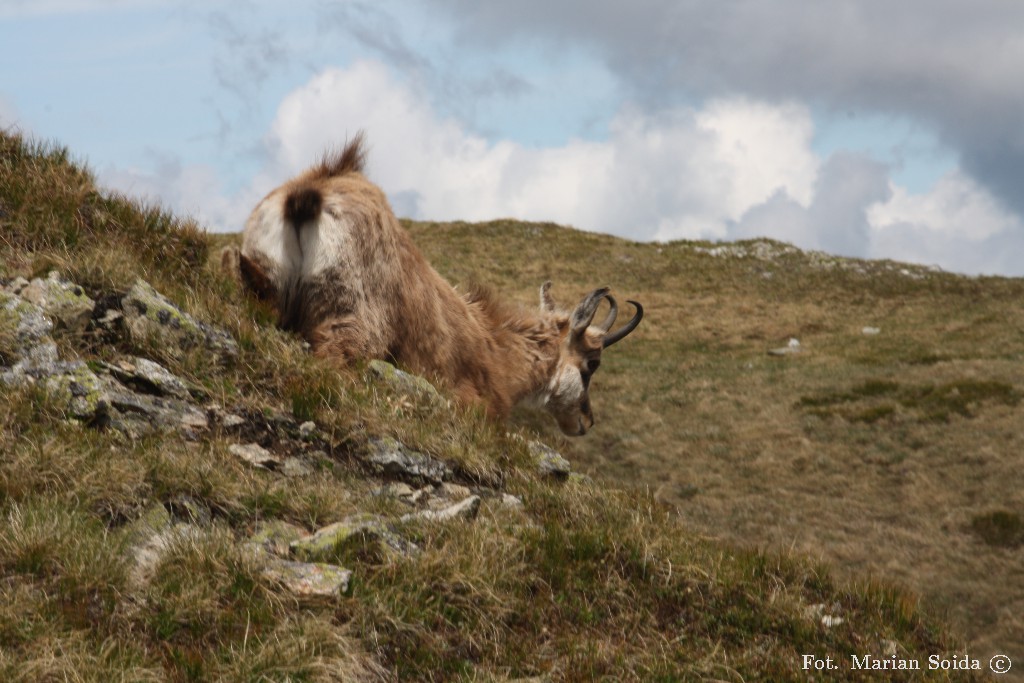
864	128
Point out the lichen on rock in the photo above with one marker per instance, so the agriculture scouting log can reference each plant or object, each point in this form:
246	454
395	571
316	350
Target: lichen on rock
64	302
404	383
149	314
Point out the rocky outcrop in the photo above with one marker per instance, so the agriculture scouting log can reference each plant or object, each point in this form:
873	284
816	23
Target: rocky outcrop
135	396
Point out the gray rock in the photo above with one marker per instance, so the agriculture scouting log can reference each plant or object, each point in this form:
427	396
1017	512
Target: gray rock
147	313
326	542
276	536
390	457
295	467
75	387
396	489
230	420
255	455
362	531
149	537
137	414
151	377
308	580
307	429
549	461
466	509
792	348
187	509
508	500
404	383
64	302
258	456
451	491
155	519
24	333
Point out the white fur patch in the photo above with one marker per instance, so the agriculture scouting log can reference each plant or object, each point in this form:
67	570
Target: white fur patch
567	385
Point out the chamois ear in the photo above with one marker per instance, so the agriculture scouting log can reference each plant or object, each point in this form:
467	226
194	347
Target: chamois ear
586	310
547	302
231	262
256	279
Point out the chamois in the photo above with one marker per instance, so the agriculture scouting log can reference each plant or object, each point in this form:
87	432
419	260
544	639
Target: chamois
326	250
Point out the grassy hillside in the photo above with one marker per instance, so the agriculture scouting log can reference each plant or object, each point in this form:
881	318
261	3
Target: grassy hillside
887	455
894	452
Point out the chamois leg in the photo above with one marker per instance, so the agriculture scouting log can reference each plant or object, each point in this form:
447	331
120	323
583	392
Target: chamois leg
341	340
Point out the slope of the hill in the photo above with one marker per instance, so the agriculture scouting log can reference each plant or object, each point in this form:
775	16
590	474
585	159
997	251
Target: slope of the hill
196	544
890	444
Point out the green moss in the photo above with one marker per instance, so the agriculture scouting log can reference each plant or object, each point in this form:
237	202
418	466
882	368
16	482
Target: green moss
79	390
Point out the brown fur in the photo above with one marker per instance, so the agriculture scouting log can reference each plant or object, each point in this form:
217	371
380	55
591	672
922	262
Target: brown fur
362	289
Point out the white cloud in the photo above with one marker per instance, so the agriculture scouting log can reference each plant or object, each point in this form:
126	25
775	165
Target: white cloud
683	173
958	225
190	190
956	207
836	218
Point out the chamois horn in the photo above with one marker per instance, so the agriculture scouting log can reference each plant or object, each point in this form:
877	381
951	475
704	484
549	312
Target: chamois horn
618	334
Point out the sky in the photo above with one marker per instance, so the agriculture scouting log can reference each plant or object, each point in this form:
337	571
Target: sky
864	128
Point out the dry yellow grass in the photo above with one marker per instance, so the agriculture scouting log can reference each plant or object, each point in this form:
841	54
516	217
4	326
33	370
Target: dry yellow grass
693	407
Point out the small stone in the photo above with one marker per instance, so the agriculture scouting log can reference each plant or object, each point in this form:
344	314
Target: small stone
255	455
453	491
230	420
76	387
816	612
295	467
396	489
306	429
465	509
194	419
155	519
188	509
25	330
150	376
401	382
791	348
390	457
276	536
326	542
549	461
511	501
870	330
308	579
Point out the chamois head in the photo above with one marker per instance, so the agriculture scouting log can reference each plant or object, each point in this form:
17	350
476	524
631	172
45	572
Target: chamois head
567	396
